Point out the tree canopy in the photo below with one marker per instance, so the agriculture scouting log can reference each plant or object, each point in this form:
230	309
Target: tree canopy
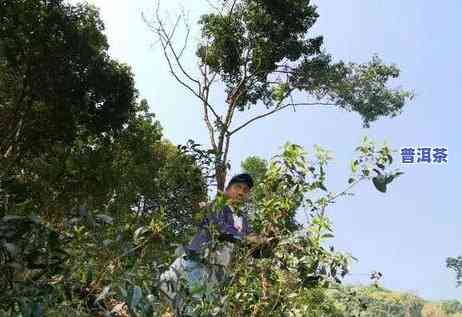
89	189
263	53
57	80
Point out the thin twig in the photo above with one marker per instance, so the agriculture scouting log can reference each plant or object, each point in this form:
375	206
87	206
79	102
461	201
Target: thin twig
276	110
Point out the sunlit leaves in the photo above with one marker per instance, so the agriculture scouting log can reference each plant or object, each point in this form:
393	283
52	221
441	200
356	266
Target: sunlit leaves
300	261
265	43
372	163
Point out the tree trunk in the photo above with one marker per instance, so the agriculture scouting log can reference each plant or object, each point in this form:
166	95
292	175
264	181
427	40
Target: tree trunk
220	172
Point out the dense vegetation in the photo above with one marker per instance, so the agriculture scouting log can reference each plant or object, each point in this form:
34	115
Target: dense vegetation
89	189
94	201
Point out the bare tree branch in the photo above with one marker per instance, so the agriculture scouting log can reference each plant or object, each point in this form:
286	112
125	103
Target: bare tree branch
220	11
186	39
165	38
232	101
205	94
168	39
276	110
232	7
227	142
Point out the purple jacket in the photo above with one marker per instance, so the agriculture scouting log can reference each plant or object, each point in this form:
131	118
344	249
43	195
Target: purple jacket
225	224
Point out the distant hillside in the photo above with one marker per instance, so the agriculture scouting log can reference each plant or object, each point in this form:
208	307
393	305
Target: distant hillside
374	301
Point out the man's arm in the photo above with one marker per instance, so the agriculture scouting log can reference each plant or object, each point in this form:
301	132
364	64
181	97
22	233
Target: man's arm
227	230
229	233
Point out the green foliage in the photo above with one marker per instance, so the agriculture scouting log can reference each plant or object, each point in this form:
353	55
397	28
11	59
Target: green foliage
372	301
262	47
455	264
260	50
452	306
32	253
377	301
373	162
91	196
93	200
256	167
57	81
295	264
109	212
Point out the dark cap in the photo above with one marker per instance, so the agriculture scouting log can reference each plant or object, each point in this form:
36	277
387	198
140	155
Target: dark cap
242	178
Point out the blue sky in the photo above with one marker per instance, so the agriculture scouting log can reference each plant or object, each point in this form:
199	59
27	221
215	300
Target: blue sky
406	233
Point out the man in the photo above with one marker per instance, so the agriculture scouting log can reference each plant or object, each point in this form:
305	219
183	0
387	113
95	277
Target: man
200	276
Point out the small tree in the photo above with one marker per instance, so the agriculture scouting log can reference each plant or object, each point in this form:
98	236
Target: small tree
261	52
455	264
290	275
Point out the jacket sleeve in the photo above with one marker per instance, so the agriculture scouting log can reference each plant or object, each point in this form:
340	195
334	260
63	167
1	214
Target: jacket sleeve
227	231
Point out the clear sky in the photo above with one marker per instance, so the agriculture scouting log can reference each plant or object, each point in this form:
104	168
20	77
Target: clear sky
406	233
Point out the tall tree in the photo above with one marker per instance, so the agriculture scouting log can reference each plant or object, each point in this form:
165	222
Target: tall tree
261	52
85	175
57	80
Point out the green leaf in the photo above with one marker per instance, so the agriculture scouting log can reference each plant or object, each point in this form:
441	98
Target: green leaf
389	178
11	218
139	232
380	183
390	158
11	248
90	275
107	242
398	174
354	166
123	292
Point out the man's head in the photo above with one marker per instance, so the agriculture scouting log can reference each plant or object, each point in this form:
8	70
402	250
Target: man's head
239	187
